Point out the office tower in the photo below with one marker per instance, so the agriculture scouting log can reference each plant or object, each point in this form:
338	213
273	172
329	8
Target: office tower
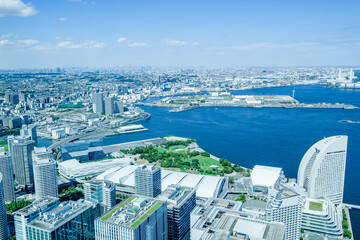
102	192
109	105
322	169
180	202
134	219
7	174
15	122
321	216
223	219
29	131
45	178
148	180
284	205
70	220
22	97
20	150
4	231
98	103
27	214
7	97
119	107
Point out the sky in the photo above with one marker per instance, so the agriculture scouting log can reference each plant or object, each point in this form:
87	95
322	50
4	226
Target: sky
184	33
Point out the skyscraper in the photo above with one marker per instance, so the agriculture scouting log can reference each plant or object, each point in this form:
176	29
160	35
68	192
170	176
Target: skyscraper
285	205
136	218
119	107
29	131
322	169
69	220
148	180
98	103
7	173
4	232
109	105
102	192
180	202
44	173
20	150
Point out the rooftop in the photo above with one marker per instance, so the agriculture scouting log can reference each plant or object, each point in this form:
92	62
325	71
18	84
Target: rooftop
175	195
265	176
132	212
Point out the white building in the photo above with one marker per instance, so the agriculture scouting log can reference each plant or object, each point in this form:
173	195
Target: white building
134	219
74	169
285	205
58	133
223	219
7	174
264	177
322	169
101	191
205	186
321	216
45	178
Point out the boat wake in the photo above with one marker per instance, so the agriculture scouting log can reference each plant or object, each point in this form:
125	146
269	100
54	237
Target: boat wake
349	121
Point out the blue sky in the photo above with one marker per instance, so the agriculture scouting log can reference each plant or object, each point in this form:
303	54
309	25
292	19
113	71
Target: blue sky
104	33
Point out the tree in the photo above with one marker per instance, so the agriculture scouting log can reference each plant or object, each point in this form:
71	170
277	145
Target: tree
195	163
242	198
231	180
205	154
301	230
347	233
345	224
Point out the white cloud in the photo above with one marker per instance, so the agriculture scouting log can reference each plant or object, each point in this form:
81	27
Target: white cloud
28	42
86	44
122	39
68	44
62	19
16	8
5	42
172	42
270	45
138	44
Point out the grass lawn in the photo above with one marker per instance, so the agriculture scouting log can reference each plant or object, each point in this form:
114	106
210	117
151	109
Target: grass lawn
115	209
3	143
148	213
315	206
176	147
206	162
161	150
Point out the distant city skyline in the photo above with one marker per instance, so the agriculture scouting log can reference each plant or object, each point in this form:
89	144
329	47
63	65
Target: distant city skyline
82	33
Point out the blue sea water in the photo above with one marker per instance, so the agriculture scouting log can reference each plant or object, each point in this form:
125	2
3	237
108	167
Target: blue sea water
276	137
268	136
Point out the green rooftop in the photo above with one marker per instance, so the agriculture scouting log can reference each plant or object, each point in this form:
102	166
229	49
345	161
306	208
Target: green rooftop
148	213
315	206
117	208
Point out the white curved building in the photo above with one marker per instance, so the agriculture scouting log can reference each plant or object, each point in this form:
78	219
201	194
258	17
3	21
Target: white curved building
322	169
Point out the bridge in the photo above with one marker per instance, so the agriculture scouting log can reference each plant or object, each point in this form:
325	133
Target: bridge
351	206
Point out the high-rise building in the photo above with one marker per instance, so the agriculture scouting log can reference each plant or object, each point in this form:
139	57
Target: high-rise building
109	105
322	169
22	97
148	180
102	192
4	230
69	220
119	107
27	214
29	131
7	174
180	202
20	150
285	203
45	178
98	103
134	219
